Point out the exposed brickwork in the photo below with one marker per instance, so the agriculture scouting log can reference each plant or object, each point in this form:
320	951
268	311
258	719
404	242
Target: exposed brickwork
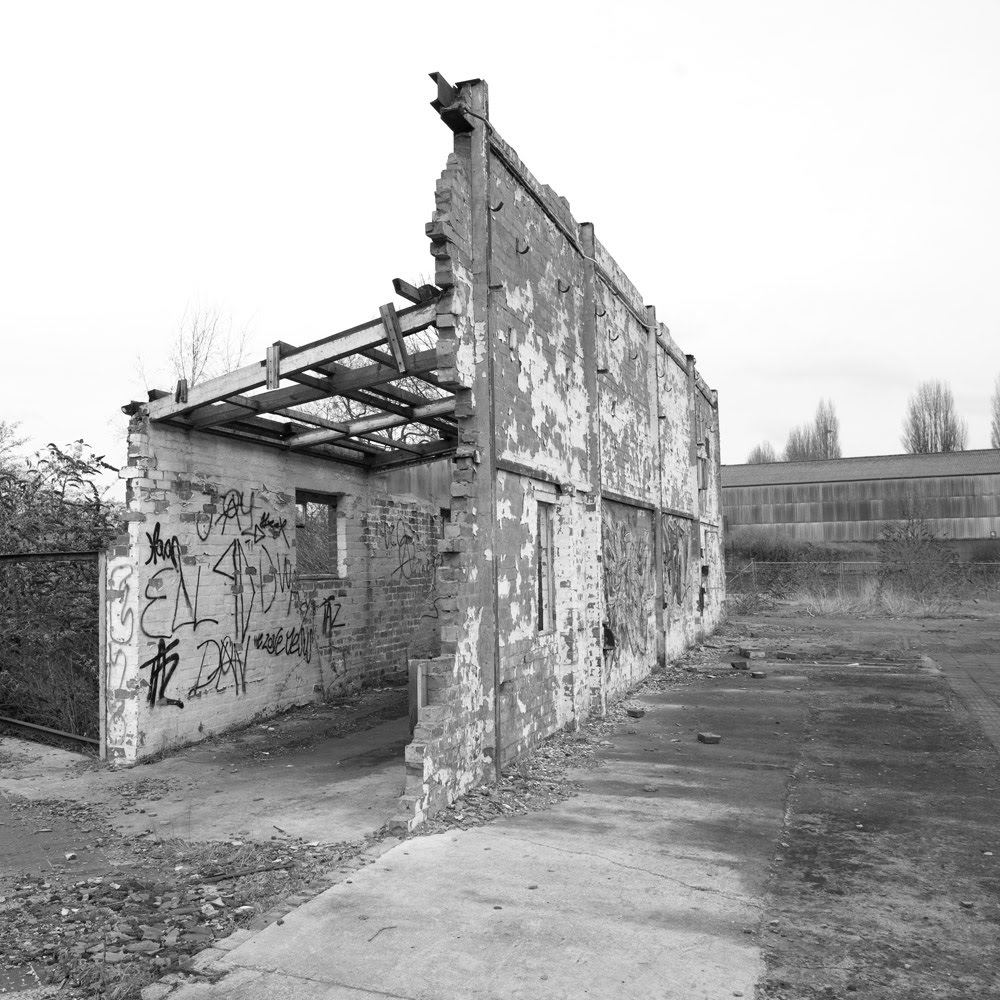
211	624
576	398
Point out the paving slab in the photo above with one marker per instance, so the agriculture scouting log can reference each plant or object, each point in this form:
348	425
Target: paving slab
328	789
647	884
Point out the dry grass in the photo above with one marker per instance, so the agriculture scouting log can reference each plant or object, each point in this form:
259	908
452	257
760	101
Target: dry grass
869	598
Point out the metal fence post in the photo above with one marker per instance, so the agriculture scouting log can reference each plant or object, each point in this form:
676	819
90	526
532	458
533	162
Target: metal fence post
102	654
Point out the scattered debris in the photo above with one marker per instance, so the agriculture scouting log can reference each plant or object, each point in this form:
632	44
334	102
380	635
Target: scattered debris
635	713
709	738
740	665
758	675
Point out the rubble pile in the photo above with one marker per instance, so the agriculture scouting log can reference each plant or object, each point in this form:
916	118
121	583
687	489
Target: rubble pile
163	902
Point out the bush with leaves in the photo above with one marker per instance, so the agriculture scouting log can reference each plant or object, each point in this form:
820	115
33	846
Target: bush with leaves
55	502
49	608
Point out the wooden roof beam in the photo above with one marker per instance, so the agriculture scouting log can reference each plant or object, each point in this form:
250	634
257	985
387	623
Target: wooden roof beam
443	425
374	423
427	376
423	452
321	352
309	390
311	418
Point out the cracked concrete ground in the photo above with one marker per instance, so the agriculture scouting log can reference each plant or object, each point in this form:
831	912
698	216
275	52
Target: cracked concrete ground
836	843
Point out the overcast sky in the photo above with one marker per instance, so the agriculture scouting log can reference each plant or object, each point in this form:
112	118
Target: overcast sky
808	192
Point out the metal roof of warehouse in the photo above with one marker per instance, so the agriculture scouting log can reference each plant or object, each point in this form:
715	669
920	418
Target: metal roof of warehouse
956	463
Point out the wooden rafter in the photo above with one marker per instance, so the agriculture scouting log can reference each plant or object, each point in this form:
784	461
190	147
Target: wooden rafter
374	423
245	403
309	390
330	349
317	421
411	455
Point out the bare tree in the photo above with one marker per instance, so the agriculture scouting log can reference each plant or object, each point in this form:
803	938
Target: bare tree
204	346
818	440
827	428
761	454
995	415
801	445
931	423
9	443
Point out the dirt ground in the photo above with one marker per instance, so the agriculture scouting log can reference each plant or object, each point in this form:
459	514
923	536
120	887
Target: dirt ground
883	882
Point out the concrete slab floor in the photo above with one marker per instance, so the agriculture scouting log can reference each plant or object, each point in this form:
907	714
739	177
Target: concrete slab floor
283	773
646	884
686	870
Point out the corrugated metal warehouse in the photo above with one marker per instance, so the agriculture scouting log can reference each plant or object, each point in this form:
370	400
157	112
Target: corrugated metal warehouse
853	499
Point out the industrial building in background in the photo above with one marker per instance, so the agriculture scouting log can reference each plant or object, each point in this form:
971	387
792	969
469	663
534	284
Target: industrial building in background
546	532
854	500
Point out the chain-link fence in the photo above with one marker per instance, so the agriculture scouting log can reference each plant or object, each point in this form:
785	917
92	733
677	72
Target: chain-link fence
50	640
779	579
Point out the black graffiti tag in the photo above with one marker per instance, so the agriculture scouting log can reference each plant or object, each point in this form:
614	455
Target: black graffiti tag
331	612
273	526
223	659
233	510
161	669
162	549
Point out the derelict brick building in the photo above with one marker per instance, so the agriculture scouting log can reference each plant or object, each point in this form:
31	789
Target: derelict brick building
557	536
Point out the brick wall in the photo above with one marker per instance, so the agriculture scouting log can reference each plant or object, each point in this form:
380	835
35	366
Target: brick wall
211	621
571	395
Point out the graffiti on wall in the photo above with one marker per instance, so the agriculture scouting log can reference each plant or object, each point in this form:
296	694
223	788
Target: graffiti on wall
401	537
676	559
120	632
629	586
257	572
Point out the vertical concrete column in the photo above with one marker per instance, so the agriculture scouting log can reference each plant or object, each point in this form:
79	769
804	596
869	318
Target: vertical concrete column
592	383
694	565
475	96
654	430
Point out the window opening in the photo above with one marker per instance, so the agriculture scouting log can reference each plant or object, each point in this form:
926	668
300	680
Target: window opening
316	534
544	575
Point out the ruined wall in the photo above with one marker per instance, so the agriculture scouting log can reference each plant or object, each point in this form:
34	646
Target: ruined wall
574	401
452	744
211	619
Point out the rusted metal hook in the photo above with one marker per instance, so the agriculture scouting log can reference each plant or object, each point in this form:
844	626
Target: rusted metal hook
517	246
615	336
559	285
603	312
497	206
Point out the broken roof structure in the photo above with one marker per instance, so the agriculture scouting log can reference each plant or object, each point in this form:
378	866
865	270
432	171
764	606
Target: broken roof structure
261	402
548	536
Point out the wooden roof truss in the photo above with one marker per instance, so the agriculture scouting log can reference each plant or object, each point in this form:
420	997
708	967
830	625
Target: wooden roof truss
264	401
